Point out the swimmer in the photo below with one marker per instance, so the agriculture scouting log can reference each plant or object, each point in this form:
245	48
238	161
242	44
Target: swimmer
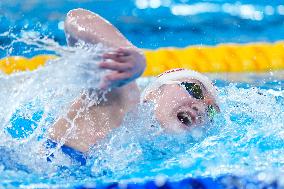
183	99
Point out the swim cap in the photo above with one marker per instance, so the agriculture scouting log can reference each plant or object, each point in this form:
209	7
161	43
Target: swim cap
179	74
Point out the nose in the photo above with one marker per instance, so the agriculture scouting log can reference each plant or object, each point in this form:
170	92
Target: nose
198	108
200	112
195	107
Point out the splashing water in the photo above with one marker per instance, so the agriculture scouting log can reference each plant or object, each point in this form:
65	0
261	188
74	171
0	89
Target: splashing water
37	98
246	138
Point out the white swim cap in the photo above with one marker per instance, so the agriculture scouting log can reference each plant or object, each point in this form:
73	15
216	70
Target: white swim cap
178	74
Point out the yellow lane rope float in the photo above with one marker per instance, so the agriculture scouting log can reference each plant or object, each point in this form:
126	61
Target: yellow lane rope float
13	64
258	57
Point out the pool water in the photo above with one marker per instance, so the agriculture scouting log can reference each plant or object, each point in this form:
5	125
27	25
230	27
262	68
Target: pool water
151	23
246	139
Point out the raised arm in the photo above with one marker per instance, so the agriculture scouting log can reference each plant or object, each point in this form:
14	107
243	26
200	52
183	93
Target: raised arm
81	24
126	63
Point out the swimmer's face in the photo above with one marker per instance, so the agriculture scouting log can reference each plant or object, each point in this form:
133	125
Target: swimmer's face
177	110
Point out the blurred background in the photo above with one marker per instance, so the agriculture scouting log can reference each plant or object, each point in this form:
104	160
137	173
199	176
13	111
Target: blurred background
154	23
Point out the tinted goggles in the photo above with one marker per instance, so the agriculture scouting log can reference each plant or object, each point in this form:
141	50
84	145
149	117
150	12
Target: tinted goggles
195	90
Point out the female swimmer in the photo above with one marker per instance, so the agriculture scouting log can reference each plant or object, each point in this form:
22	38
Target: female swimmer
183	99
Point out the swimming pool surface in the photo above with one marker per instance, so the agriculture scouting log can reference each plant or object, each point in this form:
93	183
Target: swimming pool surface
154	23
243	147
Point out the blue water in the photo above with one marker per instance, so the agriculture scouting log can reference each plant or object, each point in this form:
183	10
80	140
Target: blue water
154	23
246	139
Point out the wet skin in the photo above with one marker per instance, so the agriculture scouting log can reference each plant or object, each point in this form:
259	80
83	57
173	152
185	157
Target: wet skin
176	110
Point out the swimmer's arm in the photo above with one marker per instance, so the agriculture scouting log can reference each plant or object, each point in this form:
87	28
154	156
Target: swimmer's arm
82	126
125	65
84	25
127	61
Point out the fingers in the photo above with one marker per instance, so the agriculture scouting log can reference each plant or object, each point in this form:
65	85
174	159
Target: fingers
119	57
117	76
125	51
125	64
114	79
115	66
119	53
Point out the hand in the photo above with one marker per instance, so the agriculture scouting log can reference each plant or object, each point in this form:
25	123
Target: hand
126	65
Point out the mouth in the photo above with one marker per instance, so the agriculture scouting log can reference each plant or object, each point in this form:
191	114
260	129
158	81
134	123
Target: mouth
185	118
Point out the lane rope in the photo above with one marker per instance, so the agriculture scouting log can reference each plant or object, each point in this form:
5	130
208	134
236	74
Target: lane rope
255	57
